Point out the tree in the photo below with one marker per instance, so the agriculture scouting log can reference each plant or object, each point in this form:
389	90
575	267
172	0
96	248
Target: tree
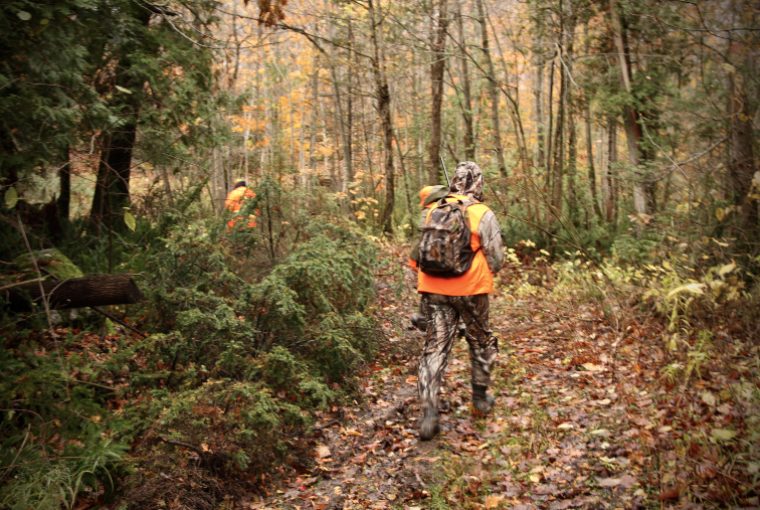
383	98
492	90
438	22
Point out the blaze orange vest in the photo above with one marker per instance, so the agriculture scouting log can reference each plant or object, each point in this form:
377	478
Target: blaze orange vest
478	279
234	202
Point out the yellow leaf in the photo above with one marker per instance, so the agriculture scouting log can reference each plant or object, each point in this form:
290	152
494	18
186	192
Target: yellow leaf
130	221
493	501
11	197
723	434
724	270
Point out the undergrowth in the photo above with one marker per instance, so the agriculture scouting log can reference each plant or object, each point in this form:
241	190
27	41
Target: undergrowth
250	334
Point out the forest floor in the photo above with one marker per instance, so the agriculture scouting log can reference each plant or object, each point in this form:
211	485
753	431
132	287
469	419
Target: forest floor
586	416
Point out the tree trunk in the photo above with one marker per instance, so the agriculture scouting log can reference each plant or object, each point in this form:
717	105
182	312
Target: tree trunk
492	90
589	139
437	67
63	204
513	101
608	182
538	98
559	137
114	170
741	158
348	128
643	188
549	146
469	134
382	91
572	137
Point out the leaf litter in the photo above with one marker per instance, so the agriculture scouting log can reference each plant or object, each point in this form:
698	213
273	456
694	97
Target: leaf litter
584	419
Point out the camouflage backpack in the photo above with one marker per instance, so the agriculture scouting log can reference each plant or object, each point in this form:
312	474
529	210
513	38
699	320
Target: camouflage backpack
445	248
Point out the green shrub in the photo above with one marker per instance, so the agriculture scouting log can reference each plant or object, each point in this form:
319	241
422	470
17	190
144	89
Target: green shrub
58	438
242	425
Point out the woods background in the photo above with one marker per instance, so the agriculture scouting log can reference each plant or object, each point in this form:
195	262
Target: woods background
618	135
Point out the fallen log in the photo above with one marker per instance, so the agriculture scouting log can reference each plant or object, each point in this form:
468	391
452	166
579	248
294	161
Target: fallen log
92	290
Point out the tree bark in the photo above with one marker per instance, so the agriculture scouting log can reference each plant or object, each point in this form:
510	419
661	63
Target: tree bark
538	98
608	182
639	154
115	167
589	139
93	290
383	94
437	67
492	90
63	204
469	133
741	158
572	137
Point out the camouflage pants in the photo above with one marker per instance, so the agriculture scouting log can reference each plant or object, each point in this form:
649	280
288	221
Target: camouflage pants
443	314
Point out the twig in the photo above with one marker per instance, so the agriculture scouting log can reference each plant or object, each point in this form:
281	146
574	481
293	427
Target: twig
182	444
39	275
91	383
10	466
119	321
18	284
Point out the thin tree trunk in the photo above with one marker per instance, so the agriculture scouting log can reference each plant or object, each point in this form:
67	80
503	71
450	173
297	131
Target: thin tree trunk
589	139
63	204
469	134
348	151
549	131
538	98
572	137
313	123
492	91
437	67
591	164
513	100
559	147
384	111
608	182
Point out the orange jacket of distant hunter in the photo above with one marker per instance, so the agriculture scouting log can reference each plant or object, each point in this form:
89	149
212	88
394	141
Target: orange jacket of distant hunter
234	202
485	241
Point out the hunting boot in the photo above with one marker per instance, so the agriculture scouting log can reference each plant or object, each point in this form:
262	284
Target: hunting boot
429	423
481	401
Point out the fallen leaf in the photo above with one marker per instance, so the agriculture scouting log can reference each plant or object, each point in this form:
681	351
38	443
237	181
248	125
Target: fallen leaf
723	434
671	493
493	501
627	481
608	482
323	451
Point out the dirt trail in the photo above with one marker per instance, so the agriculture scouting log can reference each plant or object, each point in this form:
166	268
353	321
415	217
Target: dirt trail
579	422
